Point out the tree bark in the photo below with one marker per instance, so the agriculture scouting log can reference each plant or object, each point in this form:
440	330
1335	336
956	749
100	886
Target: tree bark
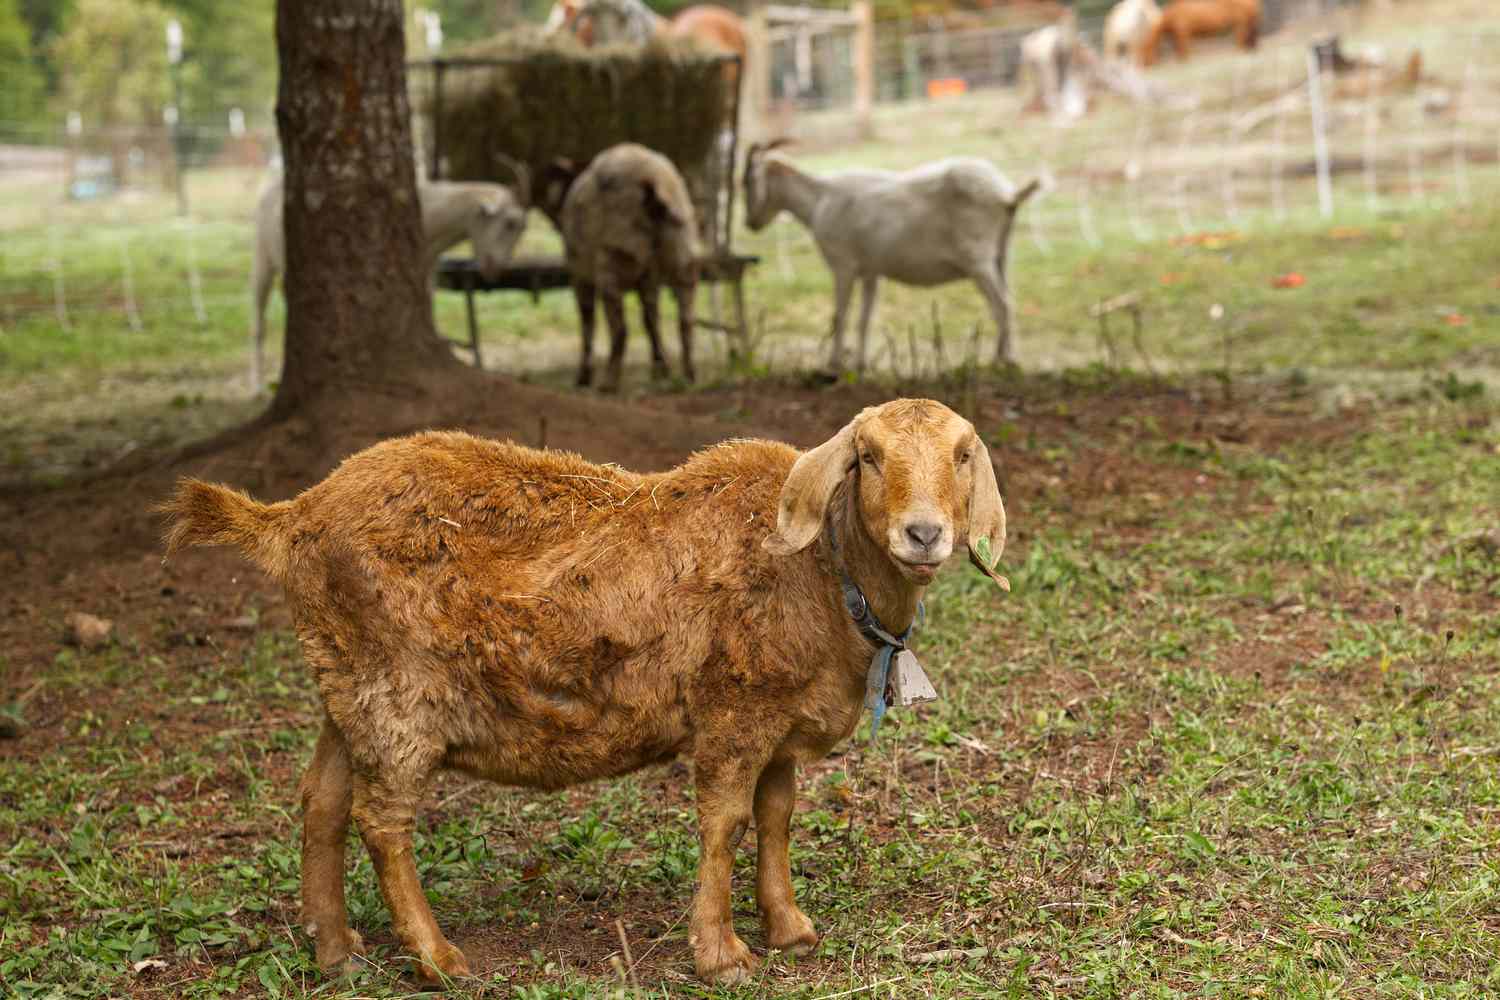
359	308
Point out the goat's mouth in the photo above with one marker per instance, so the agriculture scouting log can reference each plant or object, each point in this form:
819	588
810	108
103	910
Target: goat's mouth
918	571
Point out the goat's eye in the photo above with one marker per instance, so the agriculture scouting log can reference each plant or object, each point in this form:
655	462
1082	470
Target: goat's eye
964	458
868	459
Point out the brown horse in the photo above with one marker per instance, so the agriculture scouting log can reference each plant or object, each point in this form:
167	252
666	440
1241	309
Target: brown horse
1187	19
708	24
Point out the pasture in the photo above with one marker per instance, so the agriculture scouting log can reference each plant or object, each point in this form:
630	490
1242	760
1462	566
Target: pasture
1234	732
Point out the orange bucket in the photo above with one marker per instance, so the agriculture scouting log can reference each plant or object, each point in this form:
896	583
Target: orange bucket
948	86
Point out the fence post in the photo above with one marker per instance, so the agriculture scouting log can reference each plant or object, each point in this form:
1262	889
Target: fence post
1371	151
1134	172
864	66
1278	154
758	55
59	287
1320	133
912	84
127	275
1460	141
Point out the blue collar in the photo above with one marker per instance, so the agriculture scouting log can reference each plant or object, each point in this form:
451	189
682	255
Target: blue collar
886	644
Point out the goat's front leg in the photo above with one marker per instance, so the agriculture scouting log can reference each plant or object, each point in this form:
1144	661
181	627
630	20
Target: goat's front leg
650	295
866	313
614	315
685	294
726	790
843	289
787	927
386	814
583	296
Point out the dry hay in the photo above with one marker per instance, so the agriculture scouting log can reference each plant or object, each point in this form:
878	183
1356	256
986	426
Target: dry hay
546	100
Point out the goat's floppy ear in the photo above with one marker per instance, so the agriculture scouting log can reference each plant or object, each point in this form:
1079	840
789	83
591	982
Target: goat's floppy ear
807	491
986	517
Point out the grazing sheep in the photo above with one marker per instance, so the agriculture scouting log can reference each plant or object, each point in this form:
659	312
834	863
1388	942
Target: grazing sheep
490	216
531	618
627	223
941	222
1126	29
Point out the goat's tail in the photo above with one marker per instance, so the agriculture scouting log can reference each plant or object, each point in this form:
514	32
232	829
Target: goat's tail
202	513
1026	190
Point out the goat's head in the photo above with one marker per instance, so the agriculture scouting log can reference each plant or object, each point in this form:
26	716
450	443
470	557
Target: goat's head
760	207
494	228
920	482
553	184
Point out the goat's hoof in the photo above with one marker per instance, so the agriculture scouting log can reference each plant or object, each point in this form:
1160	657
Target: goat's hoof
448	962
724	960
791	932
335	952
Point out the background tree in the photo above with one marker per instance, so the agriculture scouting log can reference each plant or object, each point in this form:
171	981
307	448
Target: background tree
21	93
359	311
44	23
113	59
231	59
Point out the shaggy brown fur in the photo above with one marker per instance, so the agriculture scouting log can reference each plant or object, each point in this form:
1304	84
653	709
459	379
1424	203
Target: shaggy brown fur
529	617
1188	19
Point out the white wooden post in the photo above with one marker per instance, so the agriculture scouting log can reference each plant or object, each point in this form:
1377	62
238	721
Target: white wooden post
1372	124
864	66
758	73
59	289
1320	133
127	274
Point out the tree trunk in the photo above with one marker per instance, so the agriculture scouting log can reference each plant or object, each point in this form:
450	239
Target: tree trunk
359	308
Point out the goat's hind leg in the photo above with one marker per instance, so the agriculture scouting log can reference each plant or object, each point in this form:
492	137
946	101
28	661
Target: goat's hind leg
326	793
685	294
868	285
843	290
650	295
997	296
614	314
583	297
385	809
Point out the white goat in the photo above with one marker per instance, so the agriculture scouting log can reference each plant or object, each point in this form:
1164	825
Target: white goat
942	222
490	216
1126	28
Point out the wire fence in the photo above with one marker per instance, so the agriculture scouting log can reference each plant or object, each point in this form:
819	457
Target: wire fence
93	232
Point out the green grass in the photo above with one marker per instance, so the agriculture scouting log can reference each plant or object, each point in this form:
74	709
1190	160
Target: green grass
1234	732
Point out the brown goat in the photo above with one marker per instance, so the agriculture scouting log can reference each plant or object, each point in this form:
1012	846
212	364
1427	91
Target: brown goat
531	618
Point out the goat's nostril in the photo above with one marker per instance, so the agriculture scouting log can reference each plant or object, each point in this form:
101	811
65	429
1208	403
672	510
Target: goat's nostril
924	533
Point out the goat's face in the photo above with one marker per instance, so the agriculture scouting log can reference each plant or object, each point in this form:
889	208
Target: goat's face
494	229
760	208
921	482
